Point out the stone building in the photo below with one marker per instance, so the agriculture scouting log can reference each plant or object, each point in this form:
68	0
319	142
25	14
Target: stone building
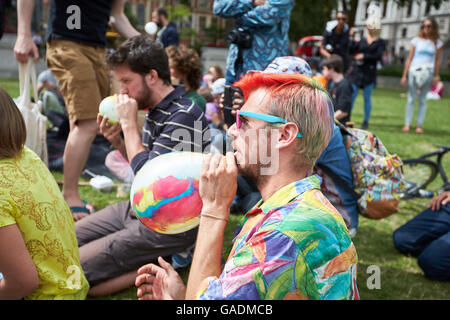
401	24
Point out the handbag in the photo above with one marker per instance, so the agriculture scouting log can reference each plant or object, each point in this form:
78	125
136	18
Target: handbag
35	121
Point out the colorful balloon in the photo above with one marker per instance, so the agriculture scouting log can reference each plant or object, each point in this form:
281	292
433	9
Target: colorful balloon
108	108
165	192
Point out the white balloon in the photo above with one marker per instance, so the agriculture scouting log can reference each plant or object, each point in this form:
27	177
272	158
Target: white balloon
151	28
108	108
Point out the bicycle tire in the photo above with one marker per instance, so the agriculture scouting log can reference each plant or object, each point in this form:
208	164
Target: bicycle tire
417	175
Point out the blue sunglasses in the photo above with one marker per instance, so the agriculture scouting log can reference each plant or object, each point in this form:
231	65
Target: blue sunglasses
260	116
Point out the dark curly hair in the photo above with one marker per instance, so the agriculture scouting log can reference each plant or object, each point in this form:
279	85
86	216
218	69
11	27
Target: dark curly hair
187	62
142	54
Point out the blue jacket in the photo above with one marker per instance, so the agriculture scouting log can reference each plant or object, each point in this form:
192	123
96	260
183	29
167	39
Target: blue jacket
269	26
170	35
335	158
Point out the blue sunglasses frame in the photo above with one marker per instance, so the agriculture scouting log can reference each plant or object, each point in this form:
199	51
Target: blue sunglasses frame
261	116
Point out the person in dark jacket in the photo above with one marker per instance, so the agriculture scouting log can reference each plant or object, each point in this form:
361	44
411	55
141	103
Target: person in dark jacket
339	88
167	34
336	39
363	76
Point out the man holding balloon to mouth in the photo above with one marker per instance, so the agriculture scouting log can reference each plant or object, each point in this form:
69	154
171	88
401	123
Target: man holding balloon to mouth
293	244
113	242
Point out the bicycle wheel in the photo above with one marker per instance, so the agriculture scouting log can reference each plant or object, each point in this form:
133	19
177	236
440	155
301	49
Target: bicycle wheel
417	175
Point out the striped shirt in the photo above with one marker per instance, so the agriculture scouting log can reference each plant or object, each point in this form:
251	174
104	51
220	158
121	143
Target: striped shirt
174	124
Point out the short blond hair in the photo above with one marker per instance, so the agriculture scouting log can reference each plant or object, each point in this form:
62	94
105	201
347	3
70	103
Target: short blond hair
301	100
13	132
373	23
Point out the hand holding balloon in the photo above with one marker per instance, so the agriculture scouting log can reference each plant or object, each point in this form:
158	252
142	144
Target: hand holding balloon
110	131
218	182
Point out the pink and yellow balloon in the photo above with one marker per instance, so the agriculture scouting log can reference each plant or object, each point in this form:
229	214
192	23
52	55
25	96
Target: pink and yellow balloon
165	192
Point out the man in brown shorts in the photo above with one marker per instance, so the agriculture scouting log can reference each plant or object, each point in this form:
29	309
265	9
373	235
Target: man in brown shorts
76	39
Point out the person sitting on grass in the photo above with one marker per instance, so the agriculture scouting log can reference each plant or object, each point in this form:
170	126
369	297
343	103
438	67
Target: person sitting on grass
332	163
39	256
113	242
293	244
427	236
185	66
339	87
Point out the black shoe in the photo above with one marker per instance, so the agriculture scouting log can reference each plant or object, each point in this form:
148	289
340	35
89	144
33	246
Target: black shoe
365	125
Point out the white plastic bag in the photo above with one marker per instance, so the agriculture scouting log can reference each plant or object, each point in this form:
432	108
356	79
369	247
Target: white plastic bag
422	73
35	121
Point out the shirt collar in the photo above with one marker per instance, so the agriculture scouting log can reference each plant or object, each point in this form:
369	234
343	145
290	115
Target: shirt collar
178	92
287	194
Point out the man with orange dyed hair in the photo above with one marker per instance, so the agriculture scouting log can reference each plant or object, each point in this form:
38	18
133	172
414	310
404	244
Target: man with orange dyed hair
293	244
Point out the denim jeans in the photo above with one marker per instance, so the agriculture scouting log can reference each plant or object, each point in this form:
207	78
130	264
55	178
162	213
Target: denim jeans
367	93
412	96
335	158
427	236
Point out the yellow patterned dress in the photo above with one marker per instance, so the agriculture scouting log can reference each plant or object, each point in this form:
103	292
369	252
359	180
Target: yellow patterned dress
30	198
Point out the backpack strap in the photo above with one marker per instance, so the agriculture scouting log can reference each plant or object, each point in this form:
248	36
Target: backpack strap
344	130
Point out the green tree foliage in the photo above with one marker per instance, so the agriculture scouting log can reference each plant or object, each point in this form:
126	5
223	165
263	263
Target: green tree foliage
215	33
309	17
131	17
180	14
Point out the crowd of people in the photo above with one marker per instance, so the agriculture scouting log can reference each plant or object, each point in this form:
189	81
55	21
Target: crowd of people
295	238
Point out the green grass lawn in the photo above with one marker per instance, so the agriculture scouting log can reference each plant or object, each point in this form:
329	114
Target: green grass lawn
401	277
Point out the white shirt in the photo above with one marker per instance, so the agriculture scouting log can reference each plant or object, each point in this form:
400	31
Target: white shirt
425	51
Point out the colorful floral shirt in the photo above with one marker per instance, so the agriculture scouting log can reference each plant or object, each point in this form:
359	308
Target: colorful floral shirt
293	246
269	27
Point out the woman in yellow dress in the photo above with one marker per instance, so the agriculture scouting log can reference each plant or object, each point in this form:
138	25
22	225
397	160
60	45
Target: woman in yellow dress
39	256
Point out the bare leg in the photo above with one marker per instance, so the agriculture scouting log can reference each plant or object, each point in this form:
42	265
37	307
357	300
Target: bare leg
114	285
76	153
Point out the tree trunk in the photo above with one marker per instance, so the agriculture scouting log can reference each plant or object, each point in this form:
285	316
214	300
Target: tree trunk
352	12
